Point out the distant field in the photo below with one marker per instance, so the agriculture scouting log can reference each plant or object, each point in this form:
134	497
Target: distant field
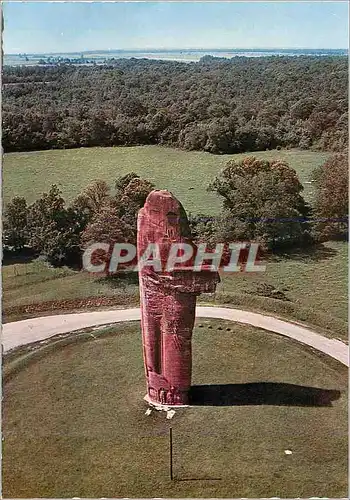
186	174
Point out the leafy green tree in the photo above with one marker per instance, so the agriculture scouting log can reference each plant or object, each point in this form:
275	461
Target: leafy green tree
202	228
59	232
123	181
193	137
131	194
262	202
107	227
93	197
331	206
115	221
54	231
220	138
303	108
15	232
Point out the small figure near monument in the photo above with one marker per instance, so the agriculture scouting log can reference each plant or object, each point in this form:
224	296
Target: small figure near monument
168	300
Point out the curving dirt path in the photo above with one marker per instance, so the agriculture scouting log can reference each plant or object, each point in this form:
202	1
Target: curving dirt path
35	329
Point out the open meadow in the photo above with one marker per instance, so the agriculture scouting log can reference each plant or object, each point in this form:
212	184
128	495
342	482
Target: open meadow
185	173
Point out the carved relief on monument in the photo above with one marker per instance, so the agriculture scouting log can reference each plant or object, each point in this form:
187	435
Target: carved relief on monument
168	300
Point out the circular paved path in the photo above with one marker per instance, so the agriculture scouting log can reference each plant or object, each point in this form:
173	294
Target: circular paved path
26	331
35	329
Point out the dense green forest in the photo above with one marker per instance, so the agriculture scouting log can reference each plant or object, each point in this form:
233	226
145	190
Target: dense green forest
218	105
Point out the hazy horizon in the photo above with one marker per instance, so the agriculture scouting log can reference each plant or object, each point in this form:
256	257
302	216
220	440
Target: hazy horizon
174	49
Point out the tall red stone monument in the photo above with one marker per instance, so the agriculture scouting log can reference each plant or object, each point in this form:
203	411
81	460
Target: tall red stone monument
168	300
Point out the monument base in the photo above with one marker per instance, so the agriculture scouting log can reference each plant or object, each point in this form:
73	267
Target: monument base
162	407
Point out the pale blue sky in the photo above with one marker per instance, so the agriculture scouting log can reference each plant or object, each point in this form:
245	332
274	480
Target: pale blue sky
41	27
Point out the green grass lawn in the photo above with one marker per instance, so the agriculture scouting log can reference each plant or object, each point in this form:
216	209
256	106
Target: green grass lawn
317	279
74	420
186	174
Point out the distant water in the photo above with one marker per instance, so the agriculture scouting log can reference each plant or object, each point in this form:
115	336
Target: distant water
184	55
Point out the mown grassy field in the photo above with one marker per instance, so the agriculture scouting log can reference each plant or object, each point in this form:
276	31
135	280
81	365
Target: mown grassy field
85	433
186	174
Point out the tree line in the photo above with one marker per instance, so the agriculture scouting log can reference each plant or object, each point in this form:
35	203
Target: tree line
217	105
261	202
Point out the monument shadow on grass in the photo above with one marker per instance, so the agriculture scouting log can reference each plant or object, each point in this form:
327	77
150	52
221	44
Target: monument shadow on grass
261	393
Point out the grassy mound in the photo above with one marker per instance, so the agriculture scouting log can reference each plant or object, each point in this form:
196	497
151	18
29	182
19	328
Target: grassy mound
74	420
